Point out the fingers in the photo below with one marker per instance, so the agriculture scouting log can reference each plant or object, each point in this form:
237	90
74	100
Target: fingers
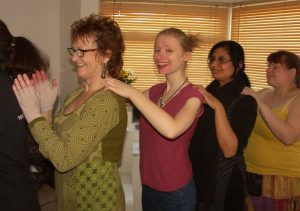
247	91
38	76
54	83
24	80
44	75
16	91
34	80
17	84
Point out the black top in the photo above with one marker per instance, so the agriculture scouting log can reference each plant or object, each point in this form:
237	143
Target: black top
205	153
17	190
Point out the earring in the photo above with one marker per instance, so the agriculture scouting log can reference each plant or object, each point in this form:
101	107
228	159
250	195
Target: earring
104	69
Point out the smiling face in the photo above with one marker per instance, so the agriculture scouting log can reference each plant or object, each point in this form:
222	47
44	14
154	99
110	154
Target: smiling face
169	56
278	75
91	63
221	66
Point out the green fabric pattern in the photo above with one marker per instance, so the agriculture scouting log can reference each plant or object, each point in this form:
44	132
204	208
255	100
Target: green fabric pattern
84	147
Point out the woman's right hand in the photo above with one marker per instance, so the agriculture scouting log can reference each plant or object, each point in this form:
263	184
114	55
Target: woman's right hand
46	91
254	94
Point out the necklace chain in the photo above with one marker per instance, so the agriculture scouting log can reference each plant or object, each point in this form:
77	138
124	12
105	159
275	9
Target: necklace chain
161	103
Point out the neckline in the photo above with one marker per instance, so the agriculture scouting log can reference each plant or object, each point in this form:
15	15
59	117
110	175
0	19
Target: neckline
161	103
81	91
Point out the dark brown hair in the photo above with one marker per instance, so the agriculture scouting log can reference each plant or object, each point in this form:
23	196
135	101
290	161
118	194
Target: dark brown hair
19	55
288	60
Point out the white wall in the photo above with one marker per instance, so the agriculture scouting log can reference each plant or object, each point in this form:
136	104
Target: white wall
38	21
46	23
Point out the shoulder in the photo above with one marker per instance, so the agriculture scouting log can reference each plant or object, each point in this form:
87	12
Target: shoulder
5	79
247	102
106	98
155	91
191	91
156	87
295	101
6	91
265	91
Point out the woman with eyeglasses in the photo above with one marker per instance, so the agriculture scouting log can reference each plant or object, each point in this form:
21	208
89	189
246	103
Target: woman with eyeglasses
216	149
85	140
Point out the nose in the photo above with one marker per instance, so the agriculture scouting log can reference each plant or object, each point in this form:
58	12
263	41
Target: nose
268	69
74	57
159	54
213	63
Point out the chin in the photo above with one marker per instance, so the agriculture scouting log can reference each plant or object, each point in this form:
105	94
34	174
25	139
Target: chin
80	72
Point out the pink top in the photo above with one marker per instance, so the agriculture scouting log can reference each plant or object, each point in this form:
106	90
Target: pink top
164	163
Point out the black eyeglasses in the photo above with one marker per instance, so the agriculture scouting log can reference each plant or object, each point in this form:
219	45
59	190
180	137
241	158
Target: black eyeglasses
219	60
79	52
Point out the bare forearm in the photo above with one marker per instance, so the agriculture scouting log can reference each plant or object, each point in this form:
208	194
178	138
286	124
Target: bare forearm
159	119
167	125
281	129
226	137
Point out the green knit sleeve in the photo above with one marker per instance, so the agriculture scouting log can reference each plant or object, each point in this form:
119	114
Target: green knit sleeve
84	132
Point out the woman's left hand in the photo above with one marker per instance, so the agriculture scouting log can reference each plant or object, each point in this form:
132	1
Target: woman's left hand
209	98
27	97
119	87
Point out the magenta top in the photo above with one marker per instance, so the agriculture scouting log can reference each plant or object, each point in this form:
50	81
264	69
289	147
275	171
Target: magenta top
165	163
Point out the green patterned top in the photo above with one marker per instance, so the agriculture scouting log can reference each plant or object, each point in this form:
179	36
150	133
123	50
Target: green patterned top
84	147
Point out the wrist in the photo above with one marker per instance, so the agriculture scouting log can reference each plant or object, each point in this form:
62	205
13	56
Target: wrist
31	117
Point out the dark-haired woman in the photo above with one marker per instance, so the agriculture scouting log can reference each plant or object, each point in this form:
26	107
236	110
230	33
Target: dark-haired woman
216	150
18	55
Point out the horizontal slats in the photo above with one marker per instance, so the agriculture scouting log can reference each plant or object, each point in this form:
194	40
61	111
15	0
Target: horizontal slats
140	21
260	28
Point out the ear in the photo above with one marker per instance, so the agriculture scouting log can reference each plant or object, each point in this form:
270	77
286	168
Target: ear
241	65
292	73
187	55
107	56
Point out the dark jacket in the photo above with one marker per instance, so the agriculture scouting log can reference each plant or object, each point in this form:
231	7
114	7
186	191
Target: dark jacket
17	189
212	171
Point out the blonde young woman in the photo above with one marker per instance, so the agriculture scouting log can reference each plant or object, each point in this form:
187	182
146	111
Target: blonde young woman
170	113
273	152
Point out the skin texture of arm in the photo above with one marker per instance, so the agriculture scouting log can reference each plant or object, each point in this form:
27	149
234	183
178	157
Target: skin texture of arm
167	125
227	139
288	131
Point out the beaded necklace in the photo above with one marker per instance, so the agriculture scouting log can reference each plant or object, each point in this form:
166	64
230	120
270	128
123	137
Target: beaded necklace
161	103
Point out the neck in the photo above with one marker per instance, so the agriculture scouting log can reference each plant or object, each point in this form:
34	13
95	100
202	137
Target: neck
172	83
284	91
166	96
94	85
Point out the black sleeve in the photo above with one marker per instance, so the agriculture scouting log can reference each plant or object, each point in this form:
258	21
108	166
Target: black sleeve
8	101
243	118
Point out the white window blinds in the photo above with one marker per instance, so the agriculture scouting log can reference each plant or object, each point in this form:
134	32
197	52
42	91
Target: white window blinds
140	21
265	28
